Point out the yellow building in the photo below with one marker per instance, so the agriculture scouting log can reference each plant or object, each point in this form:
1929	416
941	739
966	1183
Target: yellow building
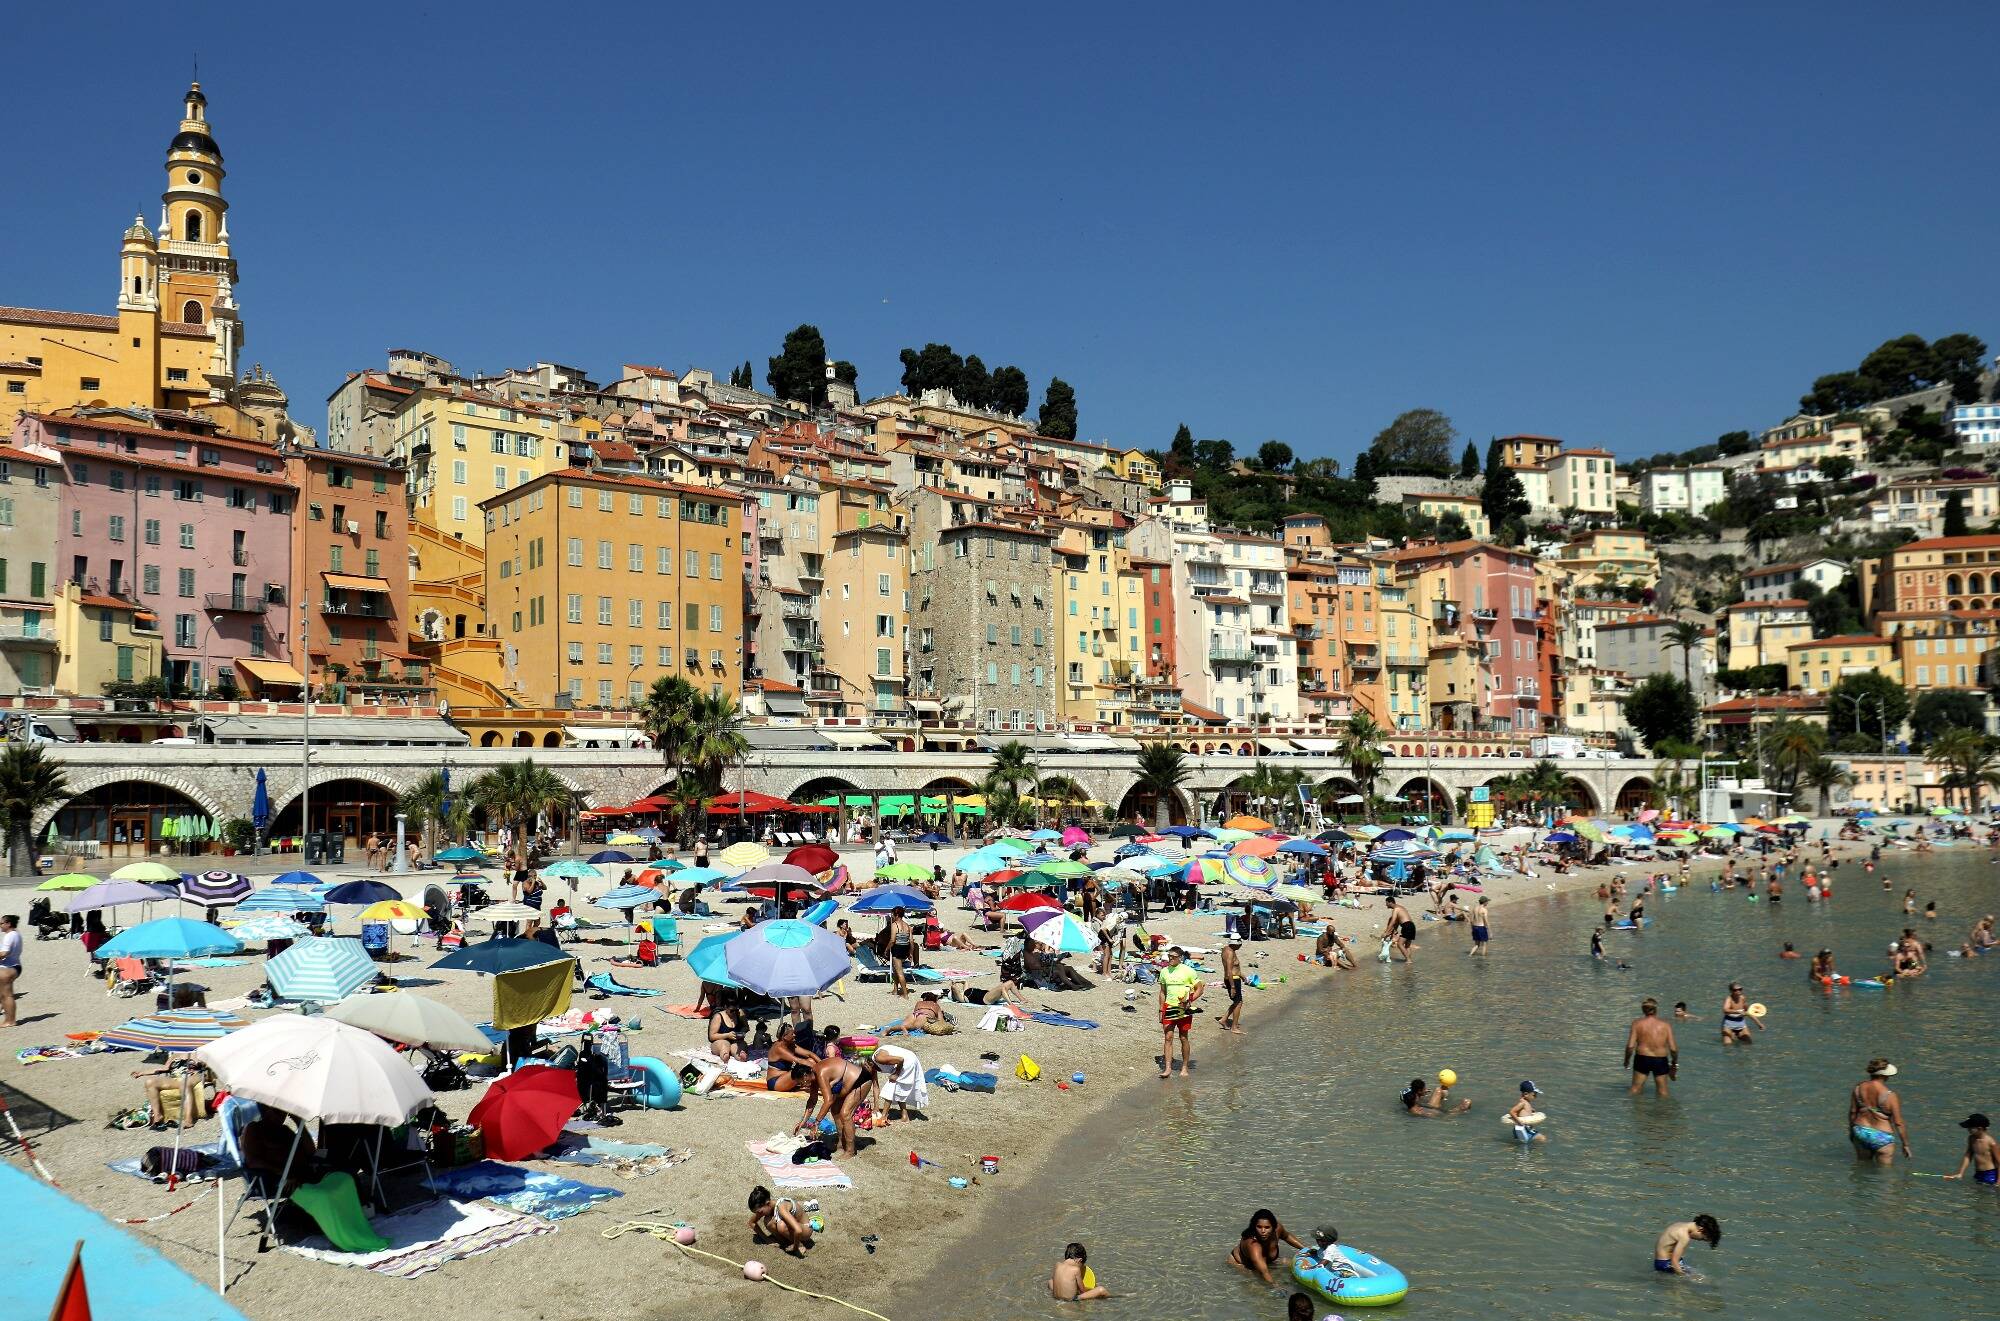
1435	505
1406	654
1942	650
1099	618
1612	557
863	604
1820	663
461	448
1136	466
1764	632
174	339
598	584
105	639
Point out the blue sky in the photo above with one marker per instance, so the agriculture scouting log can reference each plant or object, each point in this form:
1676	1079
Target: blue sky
1623	226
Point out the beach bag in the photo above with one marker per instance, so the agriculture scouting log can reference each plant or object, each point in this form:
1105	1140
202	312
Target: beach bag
1027	1070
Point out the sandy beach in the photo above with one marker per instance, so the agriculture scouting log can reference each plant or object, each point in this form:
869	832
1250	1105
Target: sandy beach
576	1272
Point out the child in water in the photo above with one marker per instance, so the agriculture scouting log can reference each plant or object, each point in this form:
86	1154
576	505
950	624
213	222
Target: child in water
1674	1240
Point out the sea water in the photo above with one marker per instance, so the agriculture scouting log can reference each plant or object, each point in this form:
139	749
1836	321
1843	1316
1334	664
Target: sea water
1300	1116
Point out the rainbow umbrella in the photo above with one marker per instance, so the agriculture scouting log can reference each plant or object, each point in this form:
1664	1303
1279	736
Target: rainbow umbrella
1251	871
1057	930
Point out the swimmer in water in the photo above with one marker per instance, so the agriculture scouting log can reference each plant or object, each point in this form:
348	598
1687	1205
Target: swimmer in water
1875	1117
1736	1017
1429	1103
1650	1049
1596	944
1681	1011
1788	952
1261	1245
1523	1130
1673	1243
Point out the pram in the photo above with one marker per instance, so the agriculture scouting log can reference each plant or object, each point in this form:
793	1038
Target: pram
47	922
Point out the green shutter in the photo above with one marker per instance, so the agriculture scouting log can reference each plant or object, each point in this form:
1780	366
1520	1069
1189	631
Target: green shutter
38	579
125	664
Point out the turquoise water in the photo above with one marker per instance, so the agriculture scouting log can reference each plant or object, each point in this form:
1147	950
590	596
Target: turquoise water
1301	1116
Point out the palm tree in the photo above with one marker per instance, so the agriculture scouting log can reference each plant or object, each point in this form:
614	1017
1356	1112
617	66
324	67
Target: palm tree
1825	776
1361	746
1968	757
1013	768
29	784
1789	747
1162	770
424	803
1544	782
1686	637
517	793
698	736
1272	787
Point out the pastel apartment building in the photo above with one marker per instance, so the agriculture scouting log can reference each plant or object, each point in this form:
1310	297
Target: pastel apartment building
1693	490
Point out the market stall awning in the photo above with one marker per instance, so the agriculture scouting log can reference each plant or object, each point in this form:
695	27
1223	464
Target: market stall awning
270	671
853	738
354	582
774	738
747	802
603	736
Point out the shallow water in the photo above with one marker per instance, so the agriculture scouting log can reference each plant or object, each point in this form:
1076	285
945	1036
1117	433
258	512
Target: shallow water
1300	1116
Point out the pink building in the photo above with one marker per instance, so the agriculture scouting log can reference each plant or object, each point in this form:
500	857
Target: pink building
193	526
1488	599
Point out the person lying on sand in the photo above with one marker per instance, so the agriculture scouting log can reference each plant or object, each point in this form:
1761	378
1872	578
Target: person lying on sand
926	1016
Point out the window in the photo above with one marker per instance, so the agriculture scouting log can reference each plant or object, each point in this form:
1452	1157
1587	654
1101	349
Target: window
499	477
604	692
149	579
992	672
666	617
576	497
604	502
458	472
693	562
576	690
90	383
576	552
604	610
336	558
882	661
575	653
693	616
603	554
635	613
186	579
604	653
458	508
184	630
715	566
76	522
666	656
7	512
187	536
117	527
635	557
575	608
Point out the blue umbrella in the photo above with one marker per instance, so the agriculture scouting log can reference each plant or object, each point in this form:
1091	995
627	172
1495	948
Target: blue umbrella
1303	847
932	838
260	804
463	853
666	864
1186	832
169	938
1043	835
303	879
628	896
699	876
887	898
1392	836
274	926
282	899
173	1031
570	867
498	955
605	855
1559	837
321	969
786	957
361	892
708	962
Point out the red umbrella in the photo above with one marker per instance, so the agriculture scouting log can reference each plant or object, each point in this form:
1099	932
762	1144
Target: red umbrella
1001	877
1026	901
813	857
524	1112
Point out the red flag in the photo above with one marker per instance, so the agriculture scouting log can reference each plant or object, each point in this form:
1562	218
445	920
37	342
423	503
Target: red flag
73	1299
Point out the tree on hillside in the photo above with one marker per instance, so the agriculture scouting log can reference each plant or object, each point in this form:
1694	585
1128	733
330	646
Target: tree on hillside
975	384
1468	462
1661	707
1869	703
1215	455
1058	416
933	367
1941	709
1897	366
1009	392
798	373
30	784
1733	442
1954	515
1503	498
1365	472
1274	456
743	378
846	372
1182	448
1959	359
1417	441
1833	614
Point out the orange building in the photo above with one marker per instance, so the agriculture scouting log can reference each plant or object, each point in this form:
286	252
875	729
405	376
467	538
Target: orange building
351	574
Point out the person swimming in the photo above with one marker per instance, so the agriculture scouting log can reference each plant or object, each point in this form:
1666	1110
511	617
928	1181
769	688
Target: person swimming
1261	1245
1523	1130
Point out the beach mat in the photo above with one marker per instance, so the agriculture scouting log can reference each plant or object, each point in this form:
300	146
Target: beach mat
1062	1020
609	985
683	1011
531	1192
777	1163
431	1236
754	1086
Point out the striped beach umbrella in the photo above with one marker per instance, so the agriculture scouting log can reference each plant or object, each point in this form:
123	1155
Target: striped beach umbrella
746	854
627	896
571	867
507	912
174	1031
267	926
282	899
1245	869
214	887
1054	929
321	969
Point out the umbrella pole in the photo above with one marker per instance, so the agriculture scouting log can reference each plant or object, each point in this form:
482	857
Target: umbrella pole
221	1243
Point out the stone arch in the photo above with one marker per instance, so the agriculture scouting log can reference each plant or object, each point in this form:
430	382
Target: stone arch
360	802
552	739
524	739
939	785
1427	794
1580	795
122	807
199	793
1140	804
1635	794
813	788
490	739
1953	584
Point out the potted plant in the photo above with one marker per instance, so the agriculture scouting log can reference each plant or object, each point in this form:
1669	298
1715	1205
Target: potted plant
238	836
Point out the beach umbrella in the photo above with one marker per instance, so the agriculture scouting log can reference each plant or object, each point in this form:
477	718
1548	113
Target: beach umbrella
110	894
1011	845
170	938
572	867
320	969
462	853
1304	848
776	878
626	838
1146	863
1394	835
1350	800
1059	931
362	892
1030	880
509	912
1560	837
174	1030
215	887
628	896
267	927
707	961
1074	836
411	1019
699	876
611	856
813	858
395	910
982	864
1063	867
902	871
260	804
787	957
1026	901
1126	830
282	899
1718	833
933	838
1257	846
887	898
499	954
1297	893
1253	872
525	1111
1245	822
745	854
1456	835
299	880
316	1068
157	873
69	880
1224	835
1196	871
1589	830
1045	836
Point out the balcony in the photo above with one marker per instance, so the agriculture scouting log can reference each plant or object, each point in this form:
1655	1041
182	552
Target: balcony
229	601
1231	656
1264	584
1306	632
1361	660
797	609
1486	616
369	609
20	635
1407	660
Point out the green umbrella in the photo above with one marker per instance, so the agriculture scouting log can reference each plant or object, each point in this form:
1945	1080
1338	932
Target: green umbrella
1589	830
1064	868
1012	845
1717	832
1032	880
902	871
70	880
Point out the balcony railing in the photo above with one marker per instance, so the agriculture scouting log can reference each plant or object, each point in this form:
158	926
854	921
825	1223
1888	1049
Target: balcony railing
1231	656
30	636
1486	616
1363	661
1306	632
358	609
229	601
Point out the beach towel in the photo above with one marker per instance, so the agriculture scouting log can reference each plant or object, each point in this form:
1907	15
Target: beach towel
684	1011
209	963
335	1207
1054	1019
775	1155
427	1237
609	985
907	1086
954	1080
628	1160
526	997
531	1192
215	1159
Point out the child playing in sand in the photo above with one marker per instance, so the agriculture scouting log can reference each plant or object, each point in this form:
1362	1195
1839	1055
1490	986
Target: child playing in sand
778	1222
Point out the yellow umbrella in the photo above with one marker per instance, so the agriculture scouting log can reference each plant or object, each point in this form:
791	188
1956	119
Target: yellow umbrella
746	854
393	910
71	880
149	872
626	837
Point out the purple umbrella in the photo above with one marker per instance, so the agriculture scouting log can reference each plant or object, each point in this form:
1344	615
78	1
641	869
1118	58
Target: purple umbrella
214	887
786	957
110	894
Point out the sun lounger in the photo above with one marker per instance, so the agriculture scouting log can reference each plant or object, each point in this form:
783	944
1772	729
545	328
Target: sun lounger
871	968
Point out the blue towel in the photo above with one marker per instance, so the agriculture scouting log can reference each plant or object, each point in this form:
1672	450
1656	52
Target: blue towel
531	1192
1062	1020
953	1079
605	982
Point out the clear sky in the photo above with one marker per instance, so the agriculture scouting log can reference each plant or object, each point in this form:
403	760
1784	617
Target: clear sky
1629	226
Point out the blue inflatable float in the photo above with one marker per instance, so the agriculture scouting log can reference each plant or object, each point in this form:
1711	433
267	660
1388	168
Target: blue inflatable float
1354	1277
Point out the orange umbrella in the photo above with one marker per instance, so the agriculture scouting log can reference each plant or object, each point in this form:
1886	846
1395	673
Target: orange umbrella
1255	847
1246	823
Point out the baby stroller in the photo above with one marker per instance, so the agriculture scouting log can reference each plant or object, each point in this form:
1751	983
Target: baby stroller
47	922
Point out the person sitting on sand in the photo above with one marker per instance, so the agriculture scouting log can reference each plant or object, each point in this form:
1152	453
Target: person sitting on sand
1674	1240
926	1015
778	1222
1072	1280
726	1029
1261	1245
788	1062
1331	950
1429	1103
267	1143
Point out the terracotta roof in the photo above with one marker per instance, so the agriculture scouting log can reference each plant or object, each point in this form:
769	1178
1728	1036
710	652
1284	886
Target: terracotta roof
615	450
1789	603
1772	702
1526	435
1952	543
1203	713
624	481
36	316
136	429
1844	640
13	455
184	329
109	602
772	686
1586	453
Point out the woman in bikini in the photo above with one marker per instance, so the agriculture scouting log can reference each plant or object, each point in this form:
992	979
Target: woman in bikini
835	1087
788	1065
900	950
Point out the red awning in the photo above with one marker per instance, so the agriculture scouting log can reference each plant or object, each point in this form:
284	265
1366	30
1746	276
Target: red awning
747	802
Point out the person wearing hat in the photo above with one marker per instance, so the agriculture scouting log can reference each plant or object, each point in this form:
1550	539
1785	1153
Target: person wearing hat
1232	982
1982	1153
1875	1117
1522	1109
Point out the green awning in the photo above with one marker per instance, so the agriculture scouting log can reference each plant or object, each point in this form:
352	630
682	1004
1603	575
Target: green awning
971	809
933	804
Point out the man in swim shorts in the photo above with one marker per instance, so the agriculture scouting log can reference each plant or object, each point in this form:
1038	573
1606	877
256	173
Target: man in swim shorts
1482	929
1650	1049
1982	1153
1674	1240
1401	929
1875	1117
1232	982
1180	986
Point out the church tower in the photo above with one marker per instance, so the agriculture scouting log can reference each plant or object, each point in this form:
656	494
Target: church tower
196	272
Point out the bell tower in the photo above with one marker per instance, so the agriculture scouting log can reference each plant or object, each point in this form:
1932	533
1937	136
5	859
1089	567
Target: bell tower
196	271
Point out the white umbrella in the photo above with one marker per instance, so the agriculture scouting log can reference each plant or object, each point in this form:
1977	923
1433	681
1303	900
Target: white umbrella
412	1020
508	912
1348	800
316	1068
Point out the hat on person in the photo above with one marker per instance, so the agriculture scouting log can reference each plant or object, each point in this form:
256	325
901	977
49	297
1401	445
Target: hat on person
1236	940
1528	1087
1975	1121
1881	1069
